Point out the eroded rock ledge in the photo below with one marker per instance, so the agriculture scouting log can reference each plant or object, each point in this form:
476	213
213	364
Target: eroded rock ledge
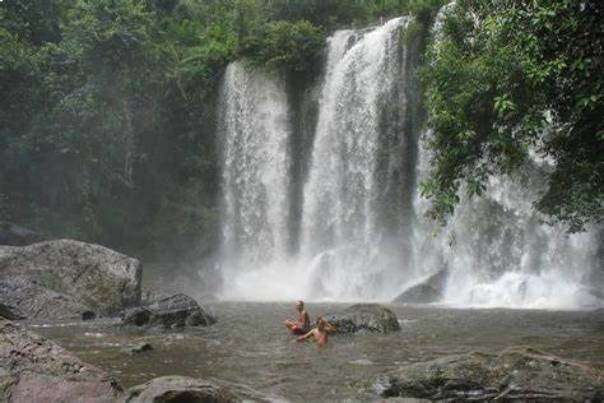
515	374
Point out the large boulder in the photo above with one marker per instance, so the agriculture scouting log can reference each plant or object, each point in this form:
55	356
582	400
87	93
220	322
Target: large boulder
364	317
33	369
10	312
170	312
90	275
26	299
429	290
14	235
177	389
516	374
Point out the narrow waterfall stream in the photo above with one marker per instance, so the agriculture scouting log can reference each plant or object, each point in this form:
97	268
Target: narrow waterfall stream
362	231
255	129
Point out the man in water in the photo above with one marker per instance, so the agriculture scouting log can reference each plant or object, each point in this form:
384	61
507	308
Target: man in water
302	324
320	333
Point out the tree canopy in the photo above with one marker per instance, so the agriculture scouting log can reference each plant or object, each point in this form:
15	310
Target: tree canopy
504	79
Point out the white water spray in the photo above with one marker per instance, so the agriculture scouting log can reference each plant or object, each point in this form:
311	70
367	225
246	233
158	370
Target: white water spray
363	235
344	245
255	128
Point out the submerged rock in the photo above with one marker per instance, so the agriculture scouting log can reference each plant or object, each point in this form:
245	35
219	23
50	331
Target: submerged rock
430	290
365	317
98	278
176	311
140	348
33	369
516	374
176	389
14	235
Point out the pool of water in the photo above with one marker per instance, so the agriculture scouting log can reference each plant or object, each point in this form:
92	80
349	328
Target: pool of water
250	350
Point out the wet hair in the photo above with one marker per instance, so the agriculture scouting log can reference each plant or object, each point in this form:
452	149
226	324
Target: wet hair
300	302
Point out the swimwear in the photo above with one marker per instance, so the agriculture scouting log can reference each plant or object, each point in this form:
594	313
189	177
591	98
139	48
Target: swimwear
299	330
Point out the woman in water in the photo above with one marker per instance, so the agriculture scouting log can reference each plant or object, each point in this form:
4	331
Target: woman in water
320	332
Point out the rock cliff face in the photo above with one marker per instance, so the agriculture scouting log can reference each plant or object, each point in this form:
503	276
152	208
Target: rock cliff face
516	374
82	275
33	369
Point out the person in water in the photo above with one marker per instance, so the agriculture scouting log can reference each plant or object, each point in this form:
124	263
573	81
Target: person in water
302	324
320	332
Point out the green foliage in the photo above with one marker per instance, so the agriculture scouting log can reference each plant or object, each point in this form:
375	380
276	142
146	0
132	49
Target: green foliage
295	46
511	77
107	114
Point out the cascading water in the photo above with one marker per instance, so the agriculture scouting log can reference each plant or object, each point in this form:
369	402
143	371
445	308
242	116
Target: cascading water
362	232
351	225
499	252
255	128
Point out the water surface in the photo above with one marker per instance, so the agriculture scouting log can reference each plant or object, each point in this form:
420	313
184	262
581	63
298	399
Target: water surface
250	350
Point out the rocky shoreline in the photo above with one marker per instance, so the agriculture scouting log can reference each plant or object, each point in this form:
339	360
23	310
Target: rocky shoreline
65	279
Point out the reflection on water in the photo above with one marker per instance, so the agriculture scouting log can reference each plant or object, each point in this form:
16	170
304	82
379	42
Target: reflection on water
250	350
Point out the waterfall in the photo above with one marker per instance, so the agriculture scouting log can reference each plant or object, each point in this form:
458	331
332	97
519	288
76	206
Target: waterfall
255	128
350	224
500	252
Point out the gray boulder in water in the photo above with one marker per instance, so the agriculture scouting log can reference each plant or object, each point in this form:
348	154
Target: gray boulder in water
177	389
176	311
430	290
364	317
516	374
14	235
89	275
33	369
27	299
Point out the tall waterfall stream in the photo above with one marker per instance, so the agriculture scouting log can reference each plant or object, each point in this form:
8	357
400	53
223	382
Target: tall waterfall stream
361	233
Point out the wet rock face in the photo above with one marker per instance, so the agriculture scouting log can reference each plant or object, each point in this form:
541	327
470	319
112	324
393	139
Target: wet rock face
364	317
98	278
171	312
516	374
14	235
10	312
27	299
178	389
430	290
33	369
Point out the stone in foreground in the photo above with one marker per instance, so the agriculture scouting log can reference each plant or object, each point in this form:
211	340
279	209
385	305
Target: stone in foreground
91	275
171	312
364	317
33	369
430	290
176	389
516	374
